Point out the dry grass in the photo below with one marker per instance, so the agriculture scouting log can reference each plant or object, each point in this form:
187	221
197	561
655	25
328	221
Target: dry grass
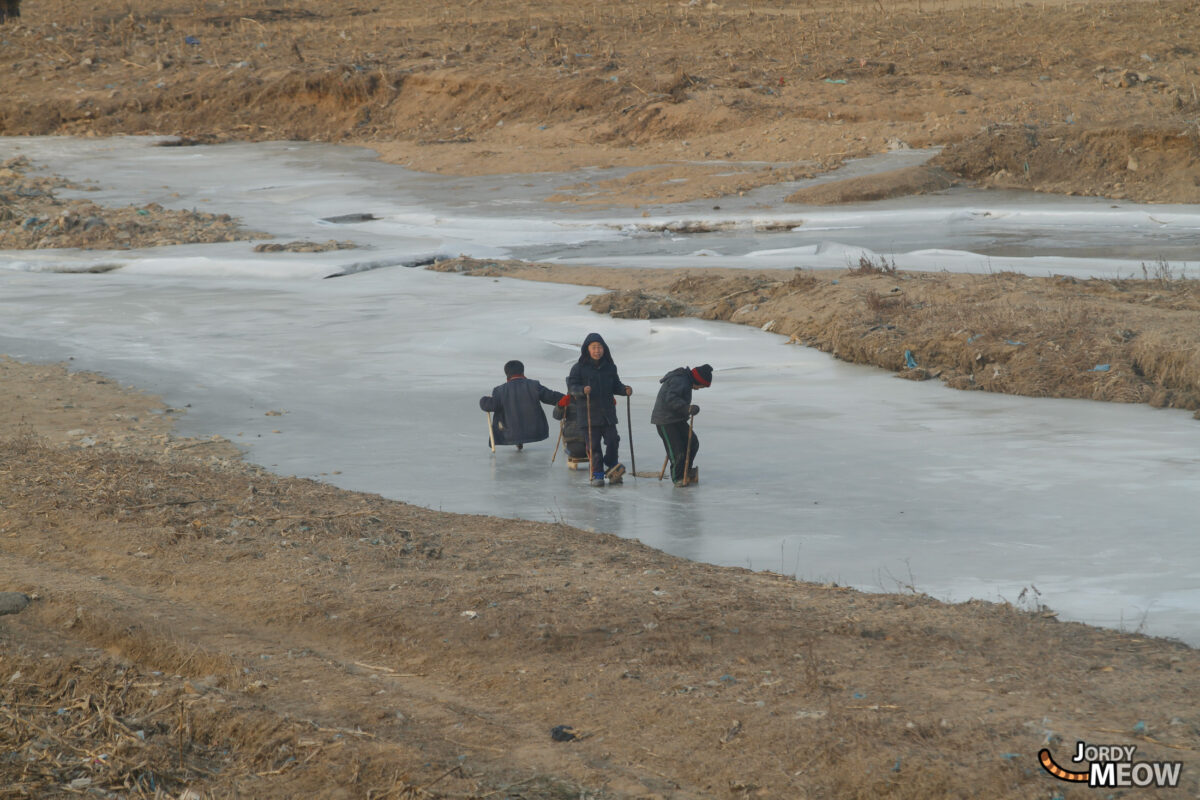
866	266
96	724
191	500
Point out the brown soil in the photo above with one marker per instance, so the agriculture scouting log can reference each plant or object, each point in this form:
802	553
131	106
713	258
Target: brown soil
894	183
1095	98
202	626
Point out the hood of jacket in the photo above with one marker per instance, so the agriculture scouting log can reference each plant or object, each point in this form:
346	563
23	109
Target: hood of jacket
585	357
675	373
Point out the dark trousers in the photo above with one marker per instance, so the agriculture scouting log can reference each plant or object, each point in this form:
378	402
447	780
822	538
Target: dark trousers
606	435
675	439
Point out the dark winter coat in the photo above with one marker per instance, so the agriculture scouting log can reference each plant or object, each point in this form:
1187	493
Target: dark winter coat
518	417
674	397
605	382
574	437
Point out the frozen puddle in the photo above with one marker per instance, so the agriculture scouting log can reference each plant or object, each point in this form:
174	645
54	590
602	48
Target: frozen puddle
809	466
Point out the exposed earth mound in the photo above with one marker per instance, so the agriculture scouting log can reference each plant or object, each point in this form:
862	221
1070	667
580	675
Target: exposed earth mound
32	217
1142	164
1094	98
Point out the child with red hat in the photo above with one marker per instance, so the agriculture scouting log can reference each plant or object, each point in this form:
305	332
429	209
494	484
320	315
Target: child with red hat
672	411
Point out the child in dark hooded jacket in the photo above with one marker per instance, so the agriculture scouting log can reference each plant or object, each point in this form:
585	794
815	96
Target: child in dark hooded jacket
594	385
672	410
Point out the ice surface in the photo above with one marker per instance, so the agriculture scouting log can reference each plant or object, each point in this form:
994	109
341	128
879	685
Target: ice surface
809	466
292	189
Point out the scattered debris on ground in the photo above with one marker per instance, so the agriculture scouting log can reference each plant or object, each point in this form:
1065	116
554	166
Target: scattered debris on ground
304	247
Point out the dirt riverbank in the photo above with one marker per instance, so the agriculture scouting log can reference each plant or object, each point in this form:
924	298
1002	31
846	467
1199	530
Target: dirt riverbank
202	626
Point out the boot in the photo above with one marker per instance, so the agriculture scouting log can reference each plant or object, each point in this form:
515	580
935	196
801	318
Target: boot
597	479
616	474
694	475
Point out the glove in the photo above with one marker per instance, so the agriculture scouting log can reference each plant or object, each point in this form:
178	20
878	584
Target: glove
566	401
628	391
693	410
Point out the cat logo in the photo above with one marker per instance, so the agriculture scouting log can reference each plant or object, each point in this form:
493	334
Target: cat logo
1112	766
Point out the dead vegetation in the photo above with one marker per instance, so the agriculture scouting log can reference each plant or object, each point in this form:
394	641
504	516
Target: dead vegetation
92	725
304	247
87	724
637	304
32	217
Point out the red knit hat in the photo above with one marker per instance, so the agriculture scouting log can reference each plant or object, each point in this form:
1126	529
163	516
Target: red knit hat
702	375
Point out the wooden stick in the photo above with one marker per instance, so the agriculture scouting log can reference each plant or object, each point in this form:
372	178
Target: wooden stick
629	424
687	455
587	394
179	738
663	471
561	423
491	436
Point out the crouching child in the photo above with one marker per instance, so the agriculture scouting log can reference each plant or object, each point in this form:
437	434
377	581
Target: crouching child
672	412
518	417
573	434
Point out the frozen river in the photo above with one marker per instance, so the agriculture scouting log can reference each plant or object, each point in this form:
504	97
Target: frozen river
810	466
